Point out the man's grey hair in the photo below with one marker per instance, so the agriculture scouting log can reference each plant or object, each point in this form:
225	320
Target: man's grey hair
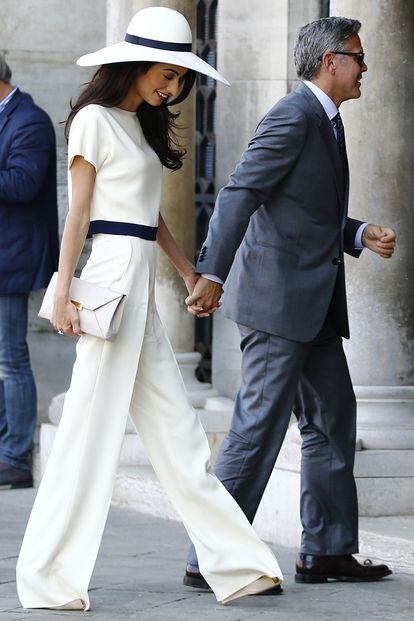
328	34
5	71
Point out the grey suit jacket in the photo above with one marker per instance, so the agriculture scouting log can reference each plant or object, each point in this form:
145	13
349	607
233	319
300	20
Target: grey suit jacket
280	226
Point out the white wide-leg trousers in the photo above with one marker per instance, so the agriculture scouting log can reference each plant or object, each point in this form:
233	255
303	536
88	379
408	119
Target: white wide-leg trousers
65	528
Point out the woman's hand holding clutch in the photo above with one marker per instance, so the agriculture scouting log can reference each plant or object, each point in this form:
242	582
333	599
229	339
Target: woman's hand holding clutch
65	317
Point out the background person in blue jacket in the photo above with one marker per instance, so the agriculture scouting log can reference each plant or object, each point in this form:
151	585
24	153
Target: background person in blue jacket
28	257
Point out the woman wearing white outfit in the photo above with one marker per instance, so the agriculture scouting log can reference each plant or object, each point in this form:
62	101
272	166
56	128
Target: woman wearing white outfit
116	153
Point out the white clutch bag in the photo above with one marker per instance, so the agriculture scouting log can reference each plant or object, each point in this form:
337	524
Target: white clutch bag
100	310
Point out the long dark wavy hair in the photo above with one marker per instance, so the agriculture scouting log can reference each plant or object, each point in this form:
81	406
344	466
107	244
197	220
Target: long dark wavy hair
111	83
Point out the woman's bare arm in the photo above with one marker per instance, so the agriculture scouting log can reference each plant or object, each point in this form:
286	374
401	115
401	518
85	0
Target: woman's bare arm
168	244
183	266
65	317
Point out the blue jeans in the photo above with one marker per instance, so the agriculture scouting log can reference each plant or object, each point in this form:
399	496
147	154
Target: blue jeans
18	402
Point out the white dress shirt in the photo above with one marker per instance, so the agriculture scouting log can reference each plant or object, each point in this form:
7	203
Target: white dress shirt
5	101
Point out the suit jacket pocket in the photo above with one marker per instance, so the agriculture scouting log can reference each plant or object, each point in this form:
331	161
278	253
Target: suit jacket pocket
281	255
280	245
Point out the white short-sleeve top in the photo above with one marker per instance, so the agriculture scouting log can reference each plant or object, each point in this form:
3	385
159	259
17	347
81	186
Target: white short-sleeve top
128	181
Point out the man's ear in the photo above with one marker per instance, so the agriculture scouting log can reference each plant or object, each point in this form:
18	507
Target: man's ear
328	62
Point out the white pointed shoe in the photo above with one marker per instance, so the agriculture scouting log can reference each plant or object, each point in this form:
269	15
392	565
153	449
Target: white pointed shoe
262	584
75	604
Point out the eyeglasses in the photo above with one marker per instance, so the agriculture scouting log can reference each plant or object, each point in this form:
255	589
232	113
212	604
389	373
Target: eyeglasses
359	56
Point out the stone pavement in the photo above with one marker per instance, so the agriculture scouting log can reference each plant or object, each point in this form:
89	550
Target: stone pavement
139	571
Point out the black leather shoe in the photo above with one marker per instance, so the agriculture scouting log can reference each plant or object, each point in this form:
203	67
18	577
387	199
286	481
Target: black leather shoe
312	569
14	478
196	580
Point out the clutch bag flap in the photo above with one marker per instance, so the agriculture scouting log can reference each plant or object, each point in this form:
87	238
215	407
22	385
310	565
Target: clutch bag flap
100	310
91	296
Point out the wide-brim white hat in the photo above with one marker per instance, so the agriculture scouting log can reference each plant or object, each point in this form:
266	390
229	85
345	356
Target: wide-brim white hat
154	34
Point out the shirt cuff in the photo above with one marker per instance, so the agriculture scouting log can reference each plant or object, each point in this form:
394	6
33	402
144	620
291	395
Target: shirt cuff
213	278
358	237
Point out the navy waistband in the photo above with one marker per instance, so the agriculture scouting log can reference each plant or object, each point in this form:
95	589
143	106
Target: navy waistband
122	228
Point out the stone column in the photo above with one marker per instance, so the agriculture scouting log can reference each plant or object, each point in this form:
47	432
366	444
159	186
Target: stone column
255	53
300	12
379	132
252	54
178	199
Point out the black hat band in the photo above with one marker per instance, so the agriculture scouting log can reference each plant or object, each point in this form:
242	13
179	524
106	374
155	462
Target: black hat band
160	45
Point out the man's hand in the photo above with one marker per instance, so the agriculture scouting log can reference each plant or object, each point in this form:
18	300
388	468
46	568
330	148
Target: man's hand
205	298
379	239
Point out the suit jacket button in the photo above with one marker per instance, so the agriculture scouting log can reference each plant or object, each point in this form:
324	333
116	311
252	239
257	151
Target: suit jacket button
335	261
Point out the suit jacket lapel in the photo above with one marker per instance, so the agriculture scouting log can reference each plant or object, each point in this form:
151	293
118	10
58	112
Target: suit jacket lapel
13	103
327	134
4	117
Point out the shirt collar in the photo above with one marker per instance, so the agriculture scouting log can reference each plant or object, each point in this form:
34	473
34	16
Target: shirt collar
325	101
5	101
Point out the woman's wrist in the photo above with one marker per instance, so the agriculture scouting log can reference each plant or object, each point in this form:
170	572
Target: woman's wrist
61	297
187	271
61	293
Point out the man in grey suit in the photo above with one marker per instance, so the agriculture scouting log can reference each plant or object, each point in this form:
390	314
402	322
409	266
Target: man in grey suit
277	239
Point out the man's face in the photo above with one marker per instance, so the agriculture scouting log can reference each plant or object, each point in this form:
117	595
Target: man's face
348	72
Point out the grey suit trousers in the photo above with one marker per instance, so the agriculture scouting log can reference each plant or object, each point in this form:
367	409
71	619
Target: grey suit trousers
312	379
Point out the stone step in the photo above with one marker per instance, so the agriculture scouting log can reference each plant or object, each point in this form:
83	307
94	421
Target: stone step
384	478
384	539
384	463
198	397
390	540
393	463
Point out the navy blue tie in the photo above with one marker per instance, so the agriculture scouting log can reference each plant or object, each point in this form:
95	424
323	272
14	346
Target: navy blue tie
340	139
340	135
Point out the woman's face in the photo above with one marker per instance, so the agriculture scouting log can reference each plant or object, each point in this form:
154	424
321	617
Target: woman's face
160	83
